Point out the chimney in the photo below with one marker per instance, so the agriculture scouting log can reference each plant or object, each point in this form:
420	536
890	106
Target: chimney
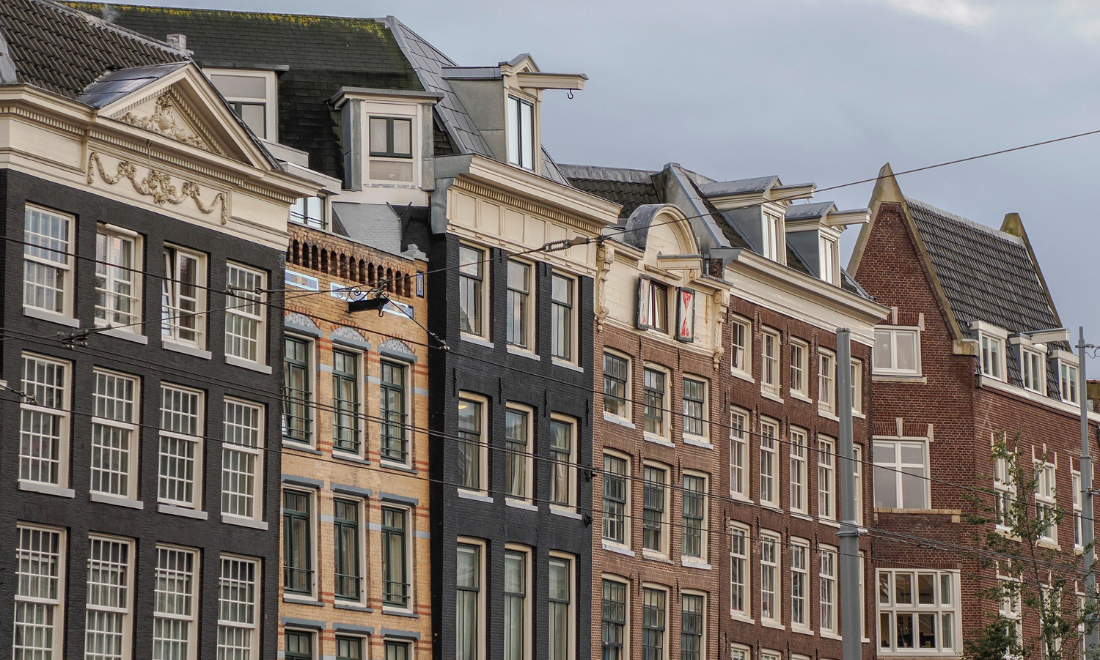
178	40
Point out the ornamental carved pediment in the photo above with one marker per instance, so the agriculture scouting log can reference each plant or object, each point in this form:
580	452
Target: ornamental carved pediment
169	115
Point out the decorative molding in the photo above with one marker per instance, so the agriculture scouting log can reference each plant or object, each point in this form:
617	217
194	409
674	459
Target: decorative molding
25	113
529	207
157	185
166	121
605	255
721	308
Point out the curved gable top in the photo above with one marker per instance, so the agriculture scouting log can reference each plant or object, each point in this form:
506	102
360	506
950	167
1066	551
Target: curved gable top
650	218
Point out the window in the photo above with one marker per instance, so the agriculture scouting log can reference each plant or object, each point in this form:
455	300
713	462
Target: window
563	469
562	318
519	305
826	478
1004	490
242	459
992	357
653	624
471	281
857	386
179	482
395	574
395	444
739	347
345	401
769	374
830	257
297	390
655	306
1068	377
695	515
351	648
655	506
517	444
1078	544
309	211
826	384
917	610
238	605
299	645
521	133
799	368
800	585
561	603
117	278
769	578
245	311
769	465
110	599
614	620
900	473
739	571
739	470
183	298
1033	371
1010	607
39	592
468	602
47	261
616	376
695	407
247	93
114	434
897	351
798	471
391	149
738	652
691	628
515	606
1046	501
654	388
471	446
346	533
175	604
44	438
395	650
615	498
297	542
857	467
826	578
770	237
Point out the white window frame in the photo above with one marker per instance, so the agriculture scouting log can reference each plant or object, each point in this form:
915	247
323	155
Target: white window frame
857	386
800	369
628	479
799	476
828	603
769	462
237	621
666	514
857	465
741	354
740	470
37	251
300	212
894	331
800	568
132	321
528	455
481	624
1075	478
516	131
112	423
391	112
192	618
528	300
104	606
482	448
829	261
1009	607
771	574
704	534
483	276
772	238
1004	490
740	652
889	609
573	313
628	392
232	449
41	580
1033	370
248	308
1046	495
271	100
1068	376
571	610
826	478
826	381
39	406
992	342
570	504
770	361
899	469
197	439
740	567
171	299
768	654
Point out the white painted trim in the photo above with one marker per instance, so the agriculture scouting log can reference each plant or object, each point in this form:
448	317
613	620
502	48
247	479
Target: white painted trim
1060	406
247	364
52	317
186	350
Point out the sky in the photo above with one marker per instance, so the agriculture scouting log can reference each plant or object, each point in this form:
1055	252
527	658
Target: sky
815	90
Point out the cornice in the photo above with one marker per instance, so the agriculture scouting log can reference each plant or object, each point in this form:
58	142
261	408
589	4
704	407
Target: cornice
526	205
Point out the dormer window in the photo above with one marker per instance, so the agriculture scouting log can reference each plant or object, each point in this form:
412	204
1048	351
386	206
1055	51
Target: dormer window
521	133
309	211
772	236
1033	370
992	357
830	258
1067	375
251	95
391	149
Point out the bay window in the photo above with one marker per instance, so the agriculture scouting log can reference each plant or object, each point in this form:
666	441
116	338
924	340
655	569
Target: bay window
918	612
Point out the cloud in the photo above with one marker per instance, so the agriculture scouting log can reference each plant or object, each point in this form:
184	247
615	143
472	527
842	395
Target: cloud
963	13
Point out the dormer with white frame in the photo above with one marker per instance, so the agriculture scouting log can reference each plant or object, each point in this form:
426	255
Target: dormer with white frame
1032	358
757	208
992	343
814	230
505	104
1067	365
253	96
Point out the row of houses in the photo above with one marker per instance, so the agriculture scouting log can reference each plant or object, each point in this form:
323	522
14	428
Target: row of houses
420	391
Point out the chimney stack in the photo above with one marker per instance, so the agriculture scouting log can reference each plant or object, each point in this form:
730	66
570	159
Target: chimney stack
178	40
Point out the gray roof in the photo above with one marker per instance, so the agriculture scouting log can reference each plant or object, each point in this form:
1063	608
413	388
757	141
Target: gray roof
117	84
987	275
809	211
738	187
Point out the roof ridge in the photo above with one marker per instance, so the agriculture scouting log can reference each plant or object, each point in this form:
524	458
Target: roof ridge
210	11
55	5
997	233
593	172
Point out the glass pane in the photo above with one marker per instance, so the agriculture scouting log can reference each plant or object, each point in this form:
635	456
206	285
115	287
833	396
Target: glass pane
947	631
559	580
912	453
467	567
884	588
513	131
388	170
527	127
926	589
402	137
884	629
912	488
514	581
903	589
927	631
378	135
905	631
907	351
246	87
886	495
253	115
946	591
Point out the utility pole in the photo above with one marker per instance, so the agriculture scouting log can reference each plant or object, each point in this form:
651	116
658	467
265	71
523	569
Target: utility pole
849	530
1092	635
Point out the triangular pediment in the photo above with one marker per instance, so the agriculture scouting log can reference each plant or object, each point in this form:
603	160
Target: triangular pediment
184	107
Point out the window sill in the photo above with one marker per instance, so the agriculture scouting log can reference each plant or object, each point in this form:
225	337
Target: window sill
800	397
300	446
687	562
771	395
566	365
351	458
565	513
404	613
830	635
186	350
46	489
768	623
1050	545
742	375
802	516
302	600
830	523
738	497
697	441
828	414
245	364
735	616
125	335
52	317
523	352
397	467
348	606
653	555
116	500
180	511
241	521
477	497
618	549
520	504
802	631
912	380
858	415
768	506
615	419
474	339
657	440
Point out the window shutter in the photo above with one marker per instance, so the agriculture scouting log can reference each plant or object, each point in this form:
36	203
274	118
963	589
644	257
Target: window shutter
685	315
643	302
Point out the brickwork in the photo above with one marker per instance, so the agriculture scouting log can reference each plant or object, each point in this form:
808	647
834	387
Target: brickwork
364	476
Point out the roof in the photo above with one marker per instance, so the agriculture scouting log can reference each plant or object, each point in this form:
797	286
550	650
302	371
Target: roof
808	211
987	275
63	51
630	188
117	84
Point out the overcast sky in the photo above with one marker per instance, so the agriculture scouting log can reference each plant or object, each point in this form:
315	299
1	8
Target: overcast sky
816	90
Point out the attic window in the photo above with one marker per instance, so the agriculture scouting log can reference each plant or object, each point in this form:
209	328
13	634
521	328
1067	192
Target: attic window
521	133
251	95
830	257
391	149
1033	371
771	236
